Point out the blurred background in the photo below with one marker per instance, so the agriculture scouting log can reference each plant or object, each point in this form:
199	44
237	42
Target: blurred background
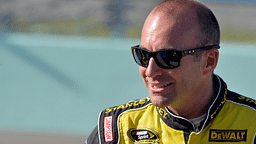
63	61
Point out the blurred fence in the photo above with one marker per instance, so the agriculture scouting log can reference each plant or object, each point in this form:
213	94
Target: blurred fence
123	18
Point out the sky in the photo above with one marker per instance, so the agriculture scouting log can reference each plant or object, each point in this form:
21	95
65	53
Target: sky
232	1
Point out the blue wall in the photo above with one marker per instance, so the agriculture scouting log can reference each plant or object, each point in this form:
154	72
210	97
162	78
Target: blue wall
61	83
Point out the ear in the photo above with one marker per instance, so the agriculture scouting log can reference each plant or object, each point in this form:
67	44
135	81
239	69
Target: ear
211	58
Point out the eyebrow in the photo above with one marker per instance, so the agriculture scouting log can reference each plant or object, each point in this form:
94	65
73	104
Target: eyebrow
161	49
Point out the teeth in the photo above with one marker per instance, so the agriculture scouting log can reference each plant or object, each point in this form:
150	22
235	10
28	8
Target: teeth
162	86
167	84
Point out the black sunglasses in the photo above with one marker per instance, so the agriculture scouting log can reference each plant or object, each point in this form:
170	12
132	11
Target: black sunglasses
167	59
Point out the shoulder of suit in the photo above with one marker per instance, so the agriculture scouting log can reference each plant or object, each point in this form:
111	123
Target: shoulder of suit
241	100
132	105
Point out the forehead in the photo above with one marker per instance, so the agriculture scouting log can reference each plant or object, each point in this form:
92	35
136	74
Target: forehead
163	30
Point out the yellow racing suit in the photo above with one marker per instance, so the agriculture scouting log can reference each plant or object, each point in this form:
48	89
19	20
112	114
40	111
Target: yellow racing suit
231	119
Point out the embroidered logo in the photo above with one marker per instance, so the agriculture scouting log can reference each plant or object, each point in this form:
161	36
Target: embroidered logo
108	133
227	135
143	135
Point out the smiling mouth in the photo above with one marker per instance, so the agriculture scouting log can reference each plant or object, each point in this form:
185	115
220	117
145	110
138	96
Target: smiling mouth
161	86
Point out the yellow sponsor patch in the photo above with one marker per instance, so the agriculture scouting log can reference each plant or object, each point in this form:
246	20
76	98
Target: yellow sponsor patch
227	135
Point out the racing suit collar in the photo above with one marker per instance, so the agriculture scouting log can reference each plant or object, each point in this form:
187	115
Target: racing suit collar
181	123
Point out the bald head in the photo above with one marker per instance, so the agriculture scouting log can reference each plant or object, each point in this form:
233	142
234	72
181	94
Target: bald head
186	16
174	6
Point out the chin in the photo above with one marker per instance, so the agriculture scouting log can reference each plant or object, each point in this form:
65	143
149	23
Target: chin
160	101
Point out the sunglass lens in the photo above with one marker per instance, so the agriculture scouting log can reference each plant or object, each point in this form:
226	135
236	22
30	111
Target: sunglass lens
141	57
167	59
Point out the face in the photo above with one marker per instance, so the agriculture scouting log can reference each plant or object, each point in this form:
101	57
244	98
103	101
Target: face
178	86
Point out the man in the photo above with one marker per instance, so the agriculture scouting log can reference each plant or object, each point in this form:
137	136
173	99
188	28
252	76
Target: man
187	103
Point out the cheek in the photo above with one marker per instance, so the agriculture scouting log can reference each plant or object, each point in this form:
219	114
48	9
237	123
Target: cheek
194	71
189	66
191	75
142	71
188	72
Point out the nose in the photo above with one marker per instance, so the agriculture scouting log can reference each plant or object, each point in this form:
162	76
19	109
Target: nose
153	69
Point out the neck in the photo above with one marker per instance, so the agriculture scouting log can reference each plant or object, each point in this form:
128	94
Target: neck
199	103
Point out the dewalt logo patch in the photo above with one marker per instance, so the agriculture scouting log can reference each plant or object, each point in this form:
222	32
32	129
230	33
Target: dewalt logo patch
227	135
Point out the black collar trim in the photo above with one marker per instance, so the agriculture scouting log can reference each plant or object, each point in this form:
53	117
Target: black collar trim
174	121
218	102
